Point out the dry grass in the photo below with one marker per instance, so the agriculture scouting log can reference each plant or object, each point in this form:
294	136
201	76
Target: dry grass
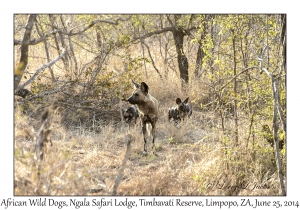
192	159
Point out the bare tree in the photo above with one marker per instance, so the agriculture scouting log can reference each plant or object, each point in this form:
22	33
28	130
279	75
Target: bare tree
41	33
179	32
276	109
24	51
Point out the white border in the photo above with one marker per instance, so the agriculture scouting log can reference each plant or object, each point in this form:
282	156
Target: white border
154	6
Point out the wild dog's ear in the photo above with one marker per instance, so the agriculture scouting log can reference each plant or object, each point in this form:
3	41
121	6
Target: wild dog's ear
186	100
144	88
178	101
136	84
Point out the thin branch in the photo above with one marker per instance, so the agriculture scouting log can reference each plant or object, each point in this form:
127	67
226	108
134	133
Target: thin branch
267	72
245	70
170	21
60	89
263	51
163	30
152	59
46	49
41	69
70	33
152	33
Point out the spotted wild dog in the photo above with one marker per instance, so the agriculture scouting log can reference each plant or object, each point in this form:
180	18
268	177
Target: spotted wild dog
130	114
184	108
174	113
148	109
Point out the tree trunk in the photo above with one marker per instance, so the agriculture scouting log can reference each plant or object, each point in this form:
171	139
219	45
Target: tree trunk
199	60
235	91
47	52
70	51
24	52
56	42
275	131
66	59
283	40
181	58
276	110
200	52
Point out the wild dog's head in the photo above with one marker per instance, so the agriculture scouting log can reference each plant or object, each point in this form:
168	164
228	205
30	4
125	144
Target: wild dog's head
129	114
139	95
184	107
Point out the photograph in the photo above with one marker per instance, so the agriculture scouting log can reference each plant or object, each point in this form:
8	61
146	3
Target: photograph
158	104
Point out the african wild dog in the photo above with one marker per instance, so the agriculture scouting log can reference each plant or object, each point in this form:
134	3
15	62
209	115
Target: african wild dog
181	110
148	109
174	113
130	114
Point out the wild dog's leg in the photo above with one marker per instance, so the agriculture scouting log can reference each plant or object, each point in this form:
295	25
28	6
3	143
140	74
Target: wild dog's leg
176	122
191	112
144	127
153	122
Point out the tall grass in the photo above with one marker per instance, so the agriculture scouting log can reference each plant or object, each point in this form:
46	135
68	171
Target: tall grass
193	158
